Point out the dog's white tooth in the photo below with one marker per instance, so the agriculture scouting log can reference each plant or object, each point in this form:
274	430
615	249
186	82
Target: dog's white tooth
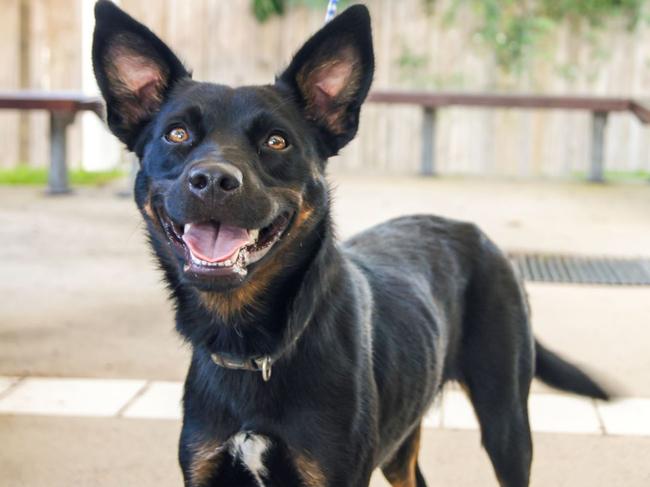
198	261
187	227
253	234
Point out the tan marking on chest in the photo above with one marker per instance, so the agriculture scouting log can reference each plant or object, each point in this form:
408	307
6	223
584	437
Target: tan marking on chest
401	471
309	471
206	459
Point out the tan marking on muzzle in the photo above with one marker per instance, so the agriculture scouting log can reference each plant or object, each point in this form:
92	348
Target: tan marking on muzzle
230	303
149	211
249	296
302	217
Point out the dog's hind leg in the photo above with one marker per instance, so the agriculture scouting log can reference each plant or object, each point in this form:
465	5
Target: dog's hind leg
497	367
403	470
499	395
505	434
500	400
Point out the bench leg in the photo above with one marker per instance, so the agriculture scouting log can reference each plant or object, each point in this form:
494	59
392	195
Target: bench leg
58	175
597	169
428	156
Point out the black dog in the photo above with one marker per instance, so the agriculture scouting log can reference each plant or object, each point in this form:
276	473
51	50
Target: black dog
313	361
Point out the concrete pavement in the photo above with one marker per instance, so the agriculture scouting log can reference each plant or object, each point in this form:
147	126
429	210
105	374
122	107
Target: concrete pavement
81	298
57	452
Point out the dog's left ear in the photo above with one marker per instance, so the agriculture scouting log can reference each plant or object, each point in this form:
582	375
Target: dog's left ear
331	75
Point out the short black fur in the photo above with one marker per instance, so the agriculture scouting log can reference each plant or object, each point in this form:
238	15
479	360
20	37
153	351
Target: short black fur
364	333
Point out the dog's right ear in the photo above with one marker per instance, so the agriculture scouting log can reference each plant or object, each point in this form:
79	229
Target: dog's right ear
331	74
134	69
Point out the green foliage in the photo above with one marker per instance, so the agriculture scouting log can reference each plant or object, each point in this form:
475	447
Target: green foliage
595	12
515	29
265	9
414	70
639	176
36	176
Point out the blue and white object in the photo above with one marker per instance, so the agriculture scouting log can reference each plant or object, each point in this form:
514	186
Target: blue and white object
331	10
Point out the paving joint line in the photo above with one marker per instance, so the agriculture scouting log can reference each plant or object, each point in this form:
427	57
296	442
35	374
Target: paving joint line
449	411
601	422
139	393
12	386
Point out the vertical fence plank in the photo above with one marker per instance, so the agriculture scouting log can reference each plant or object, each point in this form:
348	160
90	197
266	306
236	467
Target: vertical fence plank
9	80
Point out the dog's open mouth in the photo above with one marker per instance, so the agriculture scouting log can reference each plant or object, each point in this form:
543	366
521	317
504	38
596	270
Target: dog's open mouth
216	249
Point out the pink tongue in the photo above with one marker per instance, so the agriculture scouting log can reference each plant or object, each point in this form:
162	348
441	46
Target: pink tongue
213	242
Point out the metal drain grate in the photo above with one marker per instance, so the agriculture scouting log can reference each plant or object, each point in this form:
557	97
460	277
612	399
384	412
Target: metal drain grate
581	270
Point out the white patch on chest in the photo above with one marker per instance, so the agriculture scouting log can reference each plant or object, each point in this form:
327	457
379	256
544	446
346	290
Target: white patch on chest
250	448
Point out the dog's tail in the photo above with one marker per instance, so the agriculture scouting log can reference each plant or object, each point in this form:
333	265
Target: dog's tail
560	374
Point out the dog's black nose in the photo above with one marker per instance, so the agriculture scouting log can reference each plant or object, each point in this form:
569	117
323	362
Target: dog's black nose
214	177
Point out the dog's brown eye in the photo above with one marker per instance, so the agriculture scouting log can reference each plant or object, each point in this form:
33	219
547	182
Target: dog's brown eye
276	142
177	135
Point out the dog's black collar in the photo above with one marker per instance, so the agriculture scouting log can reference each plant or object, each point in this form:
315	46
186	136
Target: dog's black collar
259	364
263	363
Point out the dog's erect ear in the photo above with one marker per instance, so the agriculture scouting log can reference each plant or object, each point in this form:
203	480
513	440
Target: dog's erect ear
331	75
134	69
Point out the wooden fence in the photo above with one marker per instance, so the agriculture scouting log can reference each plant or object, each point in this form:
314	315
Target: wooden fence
46	42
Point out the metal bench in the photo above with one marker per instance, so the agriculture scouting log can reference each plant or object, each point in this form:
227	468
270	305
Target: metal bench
600	107
63	107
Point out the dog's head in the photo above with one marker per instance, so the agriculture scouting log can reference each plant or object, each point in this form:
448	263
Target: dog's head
231	179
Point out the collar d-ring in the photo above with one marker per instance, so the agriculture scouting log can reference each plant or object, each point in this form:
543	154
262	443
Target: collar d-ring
266	368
